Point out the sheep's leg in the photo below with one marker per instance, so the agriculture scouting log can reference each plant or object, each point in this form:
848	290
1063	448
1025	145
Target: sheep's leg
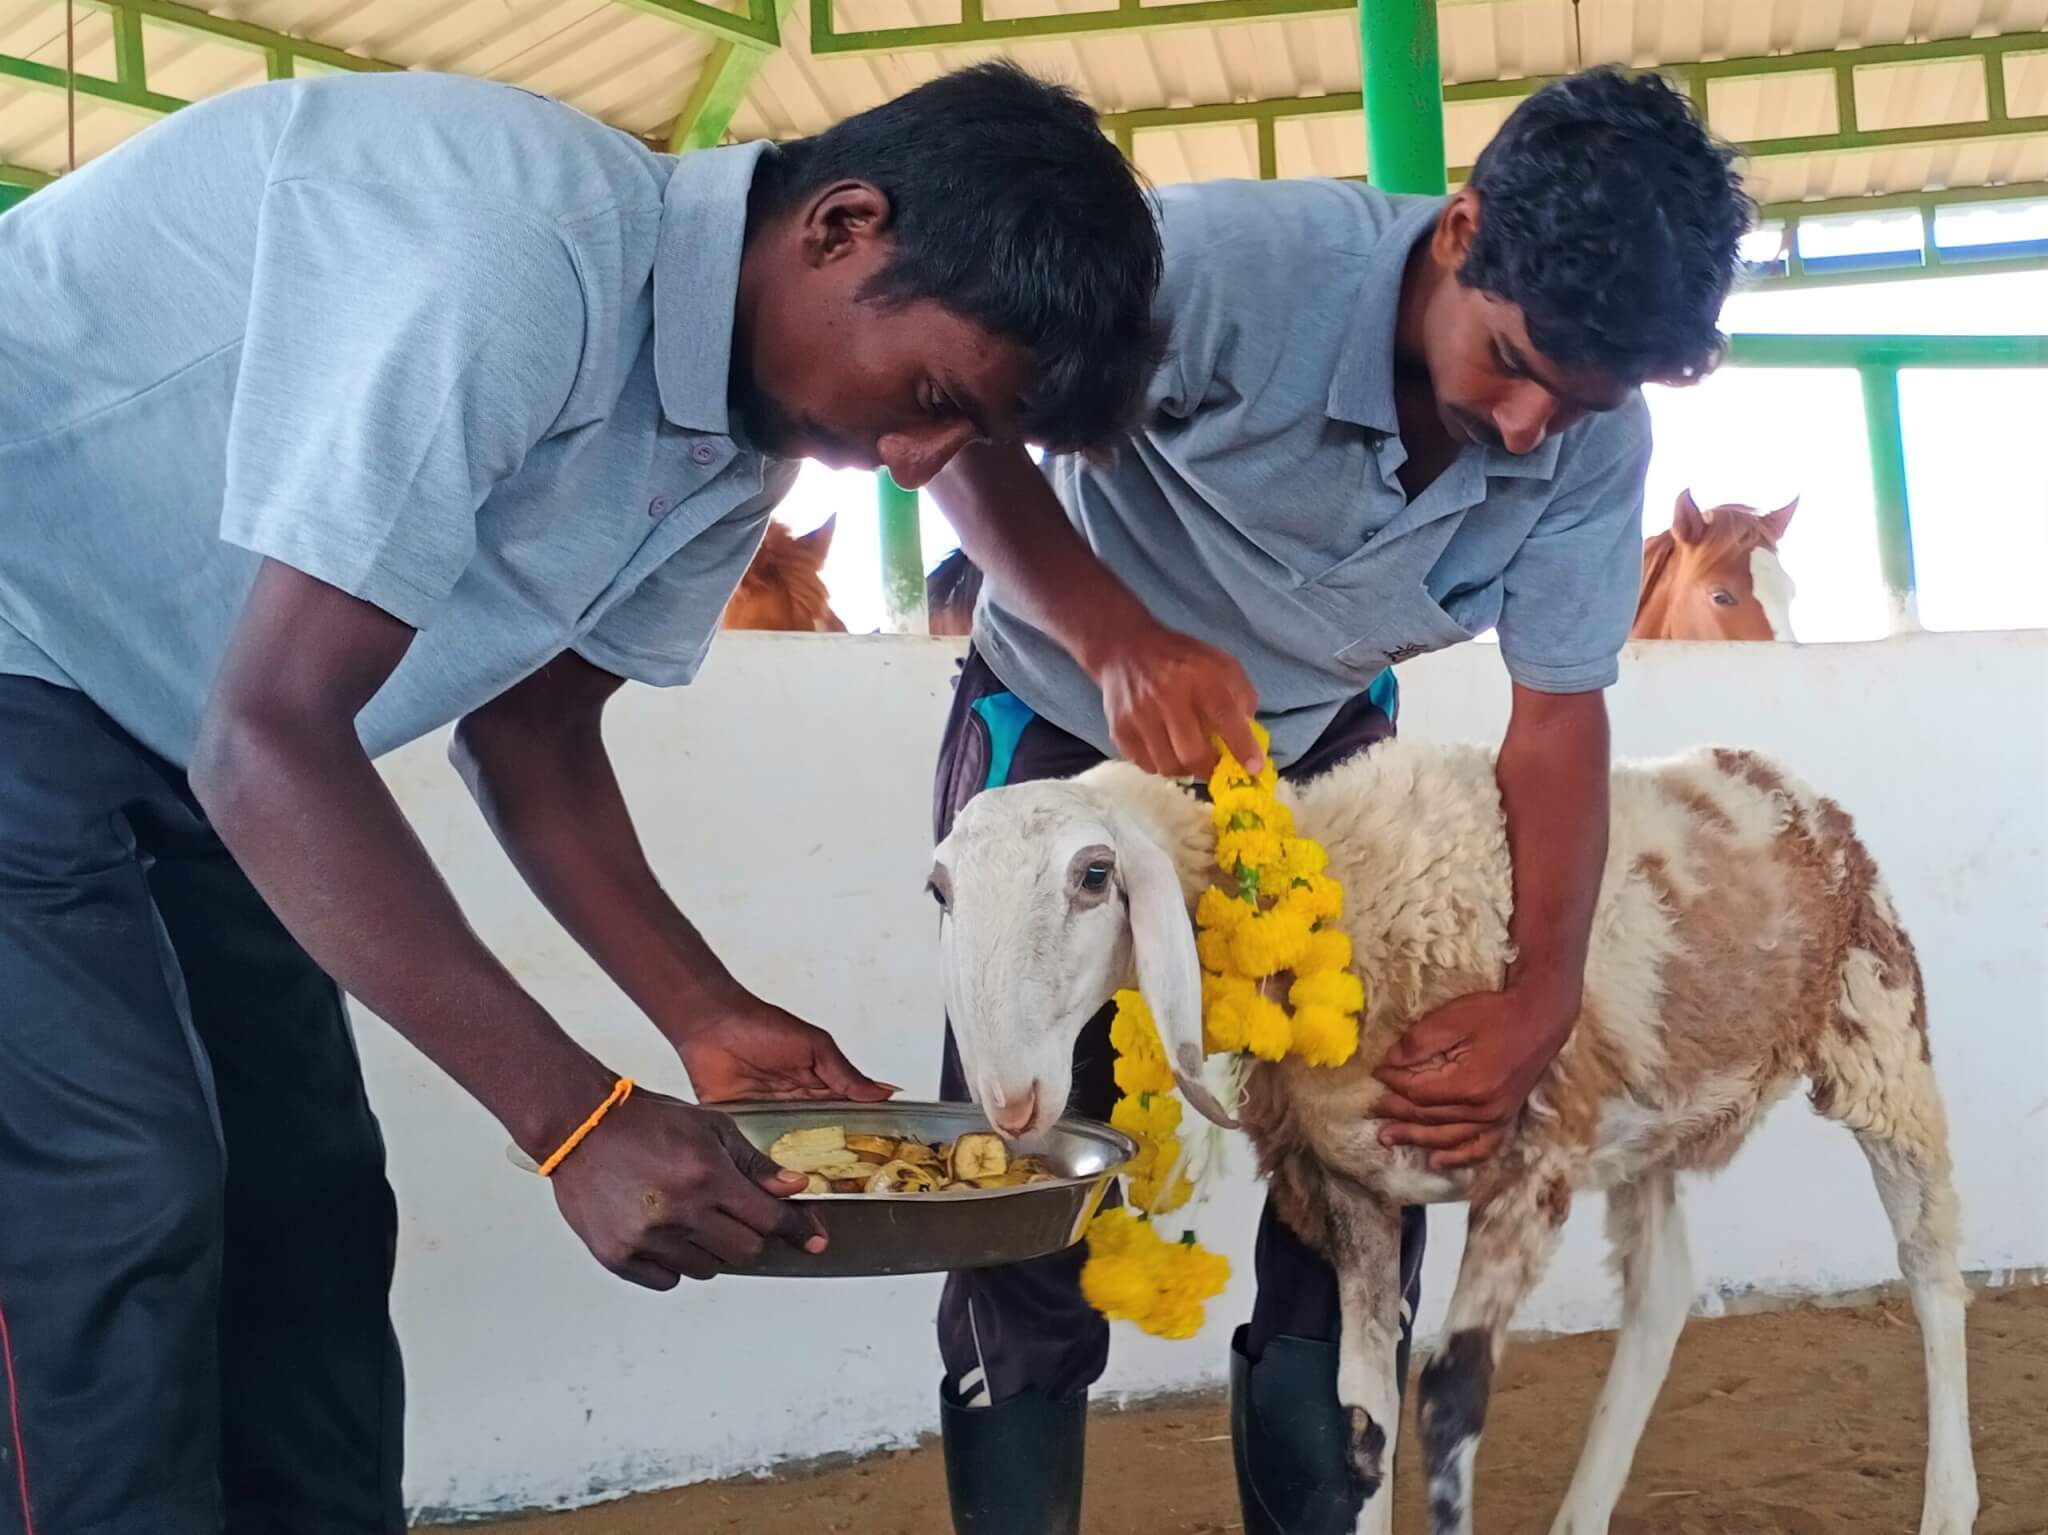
1508	1243
1365	1250
1648	1234
1871	1072
1913	1180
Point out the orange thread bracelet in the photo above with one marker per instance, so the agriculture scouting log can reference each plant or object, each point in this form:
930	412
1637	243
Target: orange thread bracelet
620	1094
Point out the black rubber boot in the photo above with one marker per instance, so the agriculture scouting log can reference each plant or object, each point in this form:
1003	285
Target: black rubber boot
1015	1468
1289	1438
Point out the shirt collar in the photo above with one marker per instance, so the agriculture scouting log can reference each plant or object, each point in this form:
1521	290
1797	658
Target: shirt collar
1363	390
697	282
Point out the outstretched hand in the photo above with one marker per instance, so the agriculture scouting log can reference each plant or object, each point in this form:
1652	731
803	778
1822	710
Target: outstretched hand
759	1051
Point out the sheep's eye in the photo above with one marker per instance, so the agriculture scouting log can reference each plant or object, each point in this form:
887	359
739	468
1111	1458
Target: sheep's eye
1723	599
1095	877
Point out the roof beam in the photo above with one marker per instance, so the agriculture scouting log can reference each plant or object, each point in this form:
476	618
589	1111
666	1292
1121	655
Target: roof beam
1991	52
117	93
721	86
1926	202
225	29
758	26
976	28
742	43
130	87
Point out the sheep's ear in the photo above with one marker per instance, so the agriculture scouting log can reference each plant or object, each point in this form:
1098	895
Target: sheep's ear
1169	971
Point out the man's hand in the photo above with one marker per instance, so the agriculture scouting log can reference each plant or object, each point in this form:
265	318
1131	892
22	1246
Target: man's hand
758	1051
1458	1078
1167	694
662	1191
535	759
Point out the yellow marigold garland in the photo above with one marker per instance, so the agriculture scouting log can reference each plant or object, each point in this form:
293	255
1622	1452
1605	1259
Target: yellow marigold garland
1264	921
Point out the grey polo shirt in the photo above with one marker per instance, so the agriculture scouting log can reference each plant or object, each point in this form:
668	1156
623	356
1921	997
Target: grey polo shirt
1259	508
448	346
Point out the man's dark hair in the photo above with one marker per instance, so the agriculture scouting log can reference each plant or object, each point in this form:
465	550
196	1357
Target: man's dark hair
1611	216
1010	207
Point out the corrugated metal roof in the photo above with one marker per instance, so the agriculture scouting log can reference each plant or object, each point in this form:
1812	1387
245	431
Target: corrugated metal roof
634	68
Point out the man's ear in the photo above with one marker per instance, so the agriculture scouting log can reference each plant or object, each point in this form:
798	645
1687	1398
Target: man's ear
1456	228
842	219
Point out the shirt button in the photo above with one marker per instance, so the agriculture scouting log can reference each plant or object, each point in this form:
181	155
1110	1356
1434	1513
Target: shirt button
703	453
658	506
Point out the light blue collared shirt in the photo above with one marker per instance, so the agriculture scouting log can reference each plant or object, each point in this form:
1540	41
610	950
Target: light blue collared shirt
1259	508
449	346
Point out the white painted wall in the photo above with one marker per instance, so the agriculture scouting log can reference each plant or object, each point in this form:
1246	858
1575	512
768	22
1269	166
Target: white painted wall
796	833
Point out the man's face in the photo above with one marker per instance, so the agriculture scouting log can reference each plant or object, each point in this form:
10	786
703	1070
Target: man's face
1492	385
857	383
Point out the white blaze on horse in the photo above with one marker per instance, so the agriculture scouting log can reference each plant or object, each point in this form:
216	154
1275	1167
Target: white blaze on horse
1716	576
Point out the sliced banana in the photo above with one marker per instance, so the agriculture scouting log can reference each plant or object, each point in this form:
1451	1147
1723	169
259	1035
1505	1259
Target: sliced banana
979	1155
834	1162
902	1178
809	1151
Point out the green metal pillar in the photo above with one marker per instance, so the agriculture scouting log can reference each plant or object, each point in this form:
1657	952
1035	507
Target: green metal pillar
902	558
1404	95
1887	437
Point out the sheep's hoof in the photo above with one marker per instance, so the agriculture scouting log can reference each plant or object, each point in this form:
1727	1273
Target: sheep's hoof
1368	1447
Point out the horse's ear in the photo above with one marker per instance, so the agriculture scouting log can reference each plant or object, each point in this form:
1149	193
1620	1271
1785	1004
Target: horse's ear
1775	523
1688	522
818	542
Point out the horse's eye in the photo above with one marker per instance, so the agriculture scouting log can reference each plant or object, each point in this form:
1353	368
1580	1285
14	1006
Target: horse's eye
1095	877
1724	599
937	895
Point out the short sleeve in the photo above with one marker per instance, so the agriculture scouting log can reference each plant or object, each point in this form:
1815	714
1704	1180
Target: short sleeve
403	353
660	632
1569	593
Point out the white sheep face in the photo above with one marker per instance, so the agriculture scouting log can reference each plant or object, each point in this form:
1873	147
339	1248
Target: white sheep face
1053	899
1032	941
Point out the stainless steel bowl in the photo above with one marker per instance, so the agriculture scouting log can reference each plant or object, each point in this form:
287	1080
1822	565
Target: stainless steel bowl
928	1233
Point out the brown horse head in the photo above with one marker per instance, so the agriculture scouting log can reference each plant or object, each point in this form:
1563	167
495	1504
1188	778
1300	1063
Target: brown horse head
1716	576
783	588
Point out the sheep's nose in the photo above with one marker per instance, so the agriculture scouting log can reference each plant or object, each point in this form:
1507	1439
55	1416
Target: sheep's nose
1015	1118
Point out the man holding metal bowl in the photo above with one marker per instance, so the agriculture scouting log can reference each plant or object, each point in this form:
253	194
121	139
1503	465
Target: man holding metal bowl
332	412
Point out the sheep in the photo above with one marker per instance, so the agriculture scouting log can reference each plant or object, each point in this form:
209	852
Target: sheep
1742	940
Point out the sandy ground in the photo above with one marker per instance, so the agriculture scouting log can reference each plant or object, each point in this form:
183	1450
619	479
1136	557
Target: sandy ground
1805	1422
